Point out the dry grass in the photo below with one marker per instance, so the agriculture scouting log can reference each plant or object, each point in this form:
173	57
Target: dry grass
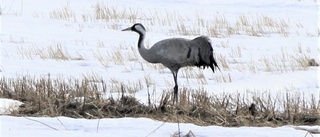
220	26
223	61
56	52
104	61
281	61
223	78
114	13
217	26
63	13
86	99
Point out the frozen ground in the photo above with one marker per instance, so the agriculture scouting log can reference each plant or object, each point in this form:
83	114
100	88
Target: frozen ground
266	59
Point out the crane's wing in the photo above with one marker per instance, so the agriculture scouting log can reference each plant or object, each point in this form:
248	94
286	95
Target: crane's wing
175	53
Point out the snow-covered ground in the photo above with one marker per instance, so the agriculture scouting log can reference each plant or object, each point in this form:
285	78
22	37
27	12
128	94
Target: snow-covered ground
261	47
129	127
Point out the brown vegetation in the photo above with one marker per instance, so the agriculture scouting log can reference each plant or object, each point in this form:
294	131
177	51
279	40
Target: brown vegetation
87	99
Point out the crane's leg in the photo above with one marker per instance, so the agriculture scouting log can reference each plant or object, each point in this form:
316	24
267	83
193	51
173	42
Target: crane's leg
175	99
175	89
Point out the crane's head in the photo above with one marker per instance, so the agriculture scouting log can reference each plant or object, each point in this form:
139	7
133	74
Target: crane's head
138	27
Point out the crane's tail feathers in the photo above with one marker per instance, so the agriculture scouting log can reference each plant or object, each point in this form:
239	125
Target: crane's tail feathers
205	53
214	64
211	66
219	68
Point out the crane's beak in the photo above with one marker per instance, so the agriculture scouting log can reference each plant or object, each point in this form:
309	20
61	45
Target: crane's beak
127	29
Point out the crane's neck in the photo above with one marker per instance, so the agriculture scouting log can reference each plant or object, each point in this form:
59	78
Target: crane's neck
145	53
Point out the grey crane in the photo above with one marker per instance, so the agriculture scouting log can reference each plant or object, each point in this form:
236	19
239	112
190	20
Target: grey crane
175	53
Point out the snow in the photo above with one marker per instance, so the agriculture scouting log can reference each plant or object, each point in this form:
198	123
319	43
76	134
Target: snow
119	127
27	27
8	105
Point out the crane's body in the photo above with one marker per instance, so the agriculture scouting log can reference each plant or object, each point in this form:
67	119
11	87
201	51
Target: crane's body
175	53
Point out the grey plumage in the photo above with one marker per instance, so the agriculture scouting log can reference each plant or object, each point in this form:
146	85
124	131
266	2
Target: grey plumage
175	53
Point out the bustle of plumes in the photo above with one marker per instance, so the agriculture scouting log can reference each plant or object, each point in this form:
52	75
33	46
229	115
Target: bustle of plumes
205	53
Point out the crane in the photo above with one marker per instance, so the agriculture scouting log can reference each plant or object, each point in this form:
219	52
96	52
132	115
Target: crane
175	53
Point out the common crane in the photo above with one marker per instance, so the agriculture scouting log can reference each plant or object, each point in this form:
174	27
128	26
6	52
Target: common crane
175	53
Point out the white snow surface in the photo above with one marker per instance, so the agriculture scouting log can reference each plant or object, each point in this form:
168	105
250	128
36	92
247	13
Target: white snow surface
8	105
132	127
27	26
